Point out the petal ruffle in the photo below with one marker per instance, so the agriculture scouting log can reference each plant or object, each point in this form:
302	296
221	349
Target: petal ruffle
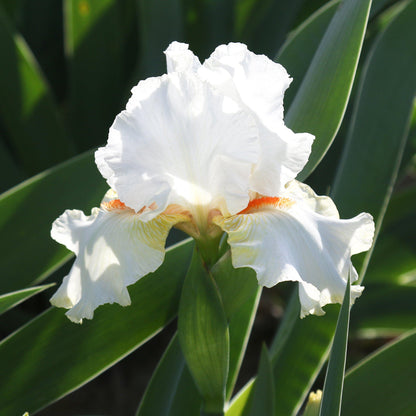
180	59
180	142
298	243
258	84
114	249
252	79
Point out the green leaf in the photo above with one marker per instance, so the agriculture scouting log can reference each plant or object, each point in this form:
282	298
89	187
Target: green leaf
321	100
334	379
50	356
241	401
26	215
383	125
378	130
263	25
10	173
240	294
172	390
10	300
305	342
203	334
27	109
298	360
391	391
393	259
160	23
162	387
40	23
93	38
262	401
205	35
297	52
385	310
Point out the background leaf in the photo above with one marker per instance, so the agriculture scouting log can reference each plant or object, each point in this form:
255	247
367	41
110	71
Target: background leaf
297	52
10	300
27	108
262	400
160	23
320	102
391	391
27	235
50	356
93	35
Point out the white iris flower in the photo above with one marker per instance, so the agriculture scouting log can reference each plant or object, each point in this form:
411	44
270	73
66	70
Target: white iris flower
204	148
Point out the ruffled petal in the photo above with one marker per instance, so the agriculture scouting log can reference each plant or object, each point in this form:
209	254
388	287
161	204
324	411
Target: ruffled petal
253	79
283	154
180	59
292	241
180	142
114	249
258	84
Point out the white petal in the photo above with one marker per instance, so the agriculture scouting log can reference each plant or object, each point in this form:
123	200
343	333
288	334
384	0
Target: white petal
114	249
177	143
295	243
256	80
283	154
179	58
304	194
258	84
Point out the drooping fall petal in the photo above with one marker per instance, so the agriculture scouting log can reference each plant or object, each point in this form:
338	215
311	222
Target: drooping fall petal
290	239
114	249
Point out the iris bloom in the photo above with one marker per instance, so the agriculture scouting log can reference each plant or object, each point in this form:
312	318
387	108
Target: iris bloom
204	148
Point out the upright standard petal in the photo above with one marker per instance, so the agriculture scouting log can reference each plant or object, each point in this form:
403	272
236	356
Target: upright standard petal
258	84
180	142
180	59
299	237
114	249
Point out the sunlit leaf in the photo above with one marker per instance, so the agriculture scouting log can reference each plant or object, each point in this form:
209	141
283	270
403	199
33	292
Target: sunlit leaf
334	379
10	300
51	356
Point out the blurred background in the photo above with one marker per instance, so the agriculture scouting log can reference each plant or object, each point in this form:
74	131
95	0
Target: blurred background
66	70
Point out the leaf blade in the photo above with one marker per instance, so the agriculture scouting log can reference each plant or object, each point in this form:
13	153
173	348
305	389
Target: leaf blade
29	235
204	335
392	391
321	100
10	300
334	380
